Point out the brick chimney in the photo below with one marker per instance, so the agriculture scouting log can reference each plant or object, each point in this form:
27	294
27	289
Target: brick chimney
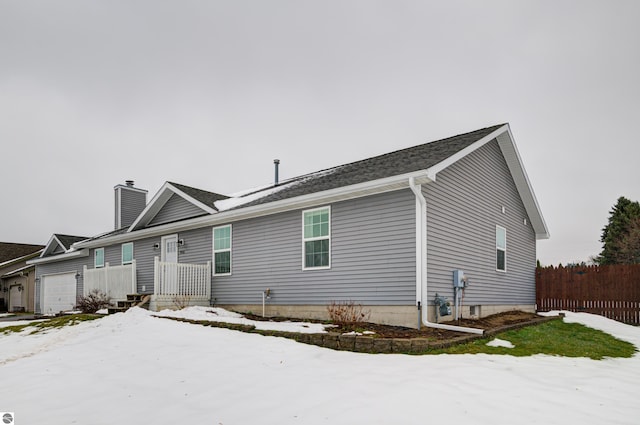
129	203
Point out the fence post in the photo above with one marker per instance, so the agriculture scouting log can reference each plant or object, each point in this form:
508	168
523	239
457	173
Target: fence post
156	275
84	285
106	278
134	280
208	280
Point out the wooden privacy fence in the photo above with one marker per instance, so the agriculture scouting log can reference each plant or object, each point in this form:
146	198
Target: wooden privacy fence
610	291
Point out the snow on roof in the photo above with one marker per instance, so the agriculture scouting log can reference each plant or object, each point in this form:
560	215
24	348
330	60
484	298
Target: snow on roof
248	196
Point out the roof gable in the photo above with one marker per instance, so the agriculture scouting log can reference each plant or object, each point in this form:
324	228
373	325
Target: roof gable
391	171
189	199
60	244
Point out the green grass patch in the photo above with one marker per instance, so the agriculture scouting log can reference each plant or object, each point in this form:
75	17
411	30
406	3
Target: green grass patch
54	322
555	338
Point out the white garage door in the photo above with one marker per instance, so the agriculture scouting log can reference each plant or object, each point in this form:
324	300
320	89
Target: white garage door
58	292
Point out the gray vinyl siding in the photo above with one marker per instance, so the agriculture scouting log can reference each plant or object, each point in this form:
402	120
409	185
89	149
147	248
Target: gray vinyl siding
144	253
372	256
196	250
464	206
74	265
131	203
176	208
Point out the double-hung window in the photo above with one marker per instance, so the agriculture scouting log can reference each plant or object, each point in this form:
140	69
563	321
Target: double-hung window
98	258
501	249
127	253
222	250
316	238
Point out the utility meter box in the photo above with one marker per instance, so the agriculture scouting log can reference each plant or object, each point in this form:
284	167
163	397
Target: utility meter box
459	279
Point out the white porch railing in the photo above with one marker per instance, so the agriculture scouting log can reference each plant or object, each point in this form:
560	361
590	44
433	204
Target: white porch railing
173	280
115	281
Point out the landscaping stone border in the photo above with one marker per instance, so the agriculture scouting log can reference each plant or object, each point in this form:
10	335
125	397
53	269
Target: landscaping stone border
366	343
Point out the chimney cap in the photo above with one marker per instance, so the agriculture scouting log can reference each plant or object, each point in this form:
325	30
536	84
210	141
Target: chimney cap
276	161
129	183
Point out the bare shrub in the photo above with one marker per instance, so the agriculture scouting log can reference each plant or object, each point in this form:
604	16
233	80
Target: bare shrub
96	300
347	313
181	301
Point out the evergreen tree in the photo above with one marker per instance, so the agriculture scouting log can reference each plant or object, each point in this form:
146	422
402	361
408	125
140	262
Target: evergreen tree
627	248
617	235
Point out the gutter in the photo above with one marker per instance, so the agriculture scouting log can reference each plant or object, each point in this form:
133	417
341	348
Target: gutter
422	293
387	184
60	257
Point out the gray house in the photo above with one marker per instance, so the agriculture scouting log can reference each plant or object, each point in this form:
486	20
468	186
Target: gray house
455	218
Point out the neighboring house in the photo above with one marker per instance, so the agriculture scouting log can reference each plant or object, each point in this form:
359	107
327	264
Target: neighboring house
17	279
386	232
58	287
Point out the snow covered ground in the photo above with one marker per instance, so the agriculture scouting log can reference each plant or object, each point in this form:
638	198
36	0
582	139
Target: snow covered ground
133	368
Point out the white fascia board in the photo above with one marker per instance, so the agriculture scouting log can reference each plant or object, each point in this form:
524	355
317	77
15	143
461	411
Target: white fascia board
516	168
152	208
466	151
192	200
158	201
519	174
16	272
66	256
19	259
387	184
55	240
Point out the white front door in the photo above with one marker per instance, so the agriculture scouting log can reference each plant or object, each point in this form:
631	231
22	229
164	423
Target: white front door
169	249
169	256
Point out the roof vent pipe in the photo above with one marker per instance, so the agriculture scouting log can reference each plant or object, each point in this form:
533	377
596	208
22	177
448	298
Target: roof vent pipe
276	162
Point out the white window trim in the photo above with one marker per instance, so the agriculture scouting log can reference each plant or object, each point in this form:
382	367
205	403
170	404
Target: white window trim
95	258
122	253
230	249
328	207
501	249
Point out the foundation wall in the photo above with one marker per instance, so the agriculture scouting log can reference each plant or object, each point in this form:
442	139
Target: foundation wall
386	315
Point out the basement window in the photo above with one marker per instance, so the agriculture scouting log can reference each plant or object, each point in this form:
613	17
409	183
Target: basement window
316	238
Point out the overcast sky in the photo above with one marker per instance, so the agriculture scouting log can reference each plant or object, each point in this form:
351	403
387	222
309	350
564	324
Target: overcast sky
208	93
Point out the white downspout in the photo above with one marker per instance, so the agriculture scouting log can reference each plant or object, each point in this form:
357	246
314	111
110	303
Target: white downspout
422	295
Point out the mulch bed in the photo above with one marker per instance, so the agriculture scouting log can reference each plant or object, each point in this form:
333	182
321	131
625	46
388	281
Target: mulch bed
490	324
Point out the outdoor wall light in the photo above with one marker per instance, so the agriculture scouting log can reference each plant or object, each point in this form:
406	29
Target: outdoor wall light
20	288
156	245
180	242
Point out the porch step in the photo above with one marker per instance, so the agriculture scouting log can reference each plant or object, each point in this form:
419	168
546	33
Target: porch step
133	300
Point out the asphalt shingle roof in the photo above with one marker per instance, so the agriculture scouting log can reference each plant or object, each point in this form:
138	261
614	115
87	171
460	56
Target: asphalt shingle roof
207	198
10	251
391	164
